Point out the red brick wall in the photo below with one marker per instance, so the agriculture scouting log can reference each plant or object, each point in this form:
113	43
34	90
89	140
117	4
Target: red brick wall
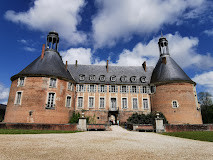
181	128
185	94
34	98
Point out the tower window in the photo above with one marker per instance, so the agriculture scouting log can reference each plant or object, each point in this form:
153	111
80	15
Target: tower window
50	102
21	81
175	104
18	98
70	86
52	83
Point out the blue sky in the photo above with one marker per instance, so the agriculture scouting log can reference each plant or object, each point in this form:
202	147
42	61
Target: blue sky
125	32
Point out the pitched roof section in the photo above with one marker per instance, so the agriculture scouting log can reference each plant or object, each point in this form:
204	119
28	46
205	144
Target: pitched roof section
50	65
168	71
119	71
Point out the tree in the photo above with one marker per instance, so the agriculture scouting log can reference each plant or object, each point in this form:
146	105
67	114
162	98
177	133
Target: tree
206	106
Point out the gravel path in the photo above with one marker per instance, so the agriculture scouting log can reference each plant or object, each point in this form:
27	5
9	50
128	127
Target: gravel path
116	144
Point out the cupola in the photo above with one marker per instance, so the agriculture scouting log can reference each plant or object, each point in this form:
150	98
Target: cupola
163	46
52	41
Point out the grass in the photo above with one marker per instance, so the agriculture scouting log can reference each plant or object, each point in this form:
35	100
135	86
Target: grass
196	135
23	131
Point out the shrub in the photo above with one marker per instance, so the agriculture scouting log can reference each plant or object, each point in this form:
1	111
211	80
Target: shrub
74	118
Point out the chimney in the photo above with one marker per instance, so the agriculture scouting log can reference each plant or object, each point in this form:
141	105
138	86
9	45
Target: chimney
66	65
144	65
107	66
43	49
76	63
164	60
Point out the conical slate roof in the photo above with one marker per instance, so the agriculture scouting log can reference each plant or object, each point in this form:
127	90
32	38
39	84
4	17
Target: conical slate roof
50	65
168	71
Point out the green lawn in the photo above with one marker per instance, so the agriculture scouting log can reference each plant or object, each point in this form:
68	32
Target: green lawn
196	135
22	131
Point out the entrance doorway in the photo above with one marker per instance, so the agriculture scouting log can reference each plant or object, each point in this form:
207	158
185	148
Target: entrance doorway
113	117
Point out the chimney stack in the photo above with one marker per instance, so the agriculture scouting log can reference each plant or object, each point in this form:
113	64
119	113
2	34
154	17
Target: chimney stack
144	65
66	65
43	49
107	66
76	63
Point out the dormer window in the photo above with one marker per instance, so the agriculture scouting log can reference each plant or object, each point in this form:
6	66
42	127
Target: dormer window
113	78
81	77
102	78
123	78
133	79
92	77
52	83
143	79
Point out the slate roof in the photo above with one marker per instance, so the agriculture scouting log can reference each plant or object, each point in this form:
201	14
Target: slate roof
117	71
50	65
169	72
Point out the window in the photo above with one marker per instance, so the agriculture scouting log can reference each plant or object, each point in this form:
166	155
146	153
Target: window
153	89
143	79
80	88
50	102
18	98
68	102
135	103
21	81
133	79
52	82
113	78
144	89
174	104
145	104
102	78
124	103
134	89
81	77
102	88
123	78
113	89
102	102
80	102
124	89
70	86
92	77
91	102
91	88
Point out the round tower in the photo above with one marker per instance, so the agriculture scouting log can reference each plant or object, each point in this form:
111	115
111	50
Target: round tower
175	94
43	92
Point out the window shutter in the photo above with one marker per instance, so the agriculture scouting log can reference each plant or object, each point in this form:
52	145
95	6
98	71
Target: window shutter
109	88
94	87
137	89
105	88
116	88
127	89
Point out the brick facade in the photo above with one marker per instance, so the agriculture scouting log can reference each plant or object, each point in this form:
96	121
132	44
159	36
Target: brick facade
187	112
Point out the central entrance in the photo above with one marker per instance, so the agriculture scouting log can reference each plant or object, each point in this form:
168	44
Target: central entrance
113	112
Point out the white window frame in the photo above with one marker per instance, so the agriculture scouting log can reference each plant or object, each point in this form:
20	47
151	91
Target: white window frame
133	103
69	87
102	78
19	81
113	91
82	102
70	101
50	86
100	102
147	104
116	104
136	89
89	88
93	102
122	102
113	78
78	88
16	98
121	89
91	77
48	100
104	89
81	77
176	103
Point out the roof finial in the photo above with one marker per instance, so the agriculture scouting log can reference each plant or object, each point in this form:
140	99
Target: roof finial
161	34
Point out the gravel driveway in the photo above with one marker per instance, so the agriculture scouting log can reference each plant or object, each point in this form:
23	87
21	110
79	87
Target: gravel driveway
116	144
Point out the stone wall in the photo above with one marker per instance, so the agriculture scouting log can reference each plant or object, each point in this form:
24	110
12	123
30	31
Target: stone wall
34	99
187	110
33	126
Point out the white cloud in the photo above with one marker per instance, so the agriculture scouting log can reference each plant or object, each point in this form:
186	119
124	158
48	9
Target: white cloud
205	79
209	32
30	49
4	93
118	19
46	15
83	55
182	50
23	41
